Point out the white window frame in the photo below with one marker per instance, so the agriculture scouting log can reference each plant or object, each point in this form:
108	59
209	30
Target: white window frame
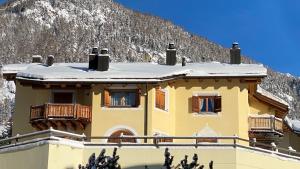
166	90
208	94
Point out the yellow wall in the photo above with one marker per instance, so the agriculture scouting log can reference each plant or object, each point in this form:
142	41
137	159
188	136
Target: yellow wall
259	108
35	157
162	121
26	97
230	121
64	156
177	120
107	120
248	160
58	156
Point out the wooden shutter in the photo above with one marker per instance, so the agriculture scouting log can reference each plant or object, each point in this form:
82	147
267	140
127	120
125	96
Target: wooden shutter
195	104
162	100
137	97
157	97
217	104
106	98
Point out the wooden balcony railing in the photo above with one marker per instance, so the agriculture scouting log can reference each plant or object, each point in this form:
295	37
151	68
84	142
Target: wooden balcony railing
265	124
60	111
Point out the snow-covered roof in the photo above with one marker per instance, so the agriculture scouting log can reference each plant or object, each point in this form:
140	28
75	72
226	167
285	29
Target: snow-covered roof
263	92
15	68
294	124
132	71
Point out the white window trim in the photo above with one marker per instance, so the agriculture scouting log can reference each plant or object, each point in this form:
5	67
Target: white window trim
63	91
206	93
167	100
121	87
203	94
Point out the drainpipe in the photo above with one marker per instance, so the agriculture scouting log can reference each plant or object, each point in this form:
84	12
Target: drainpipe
146	114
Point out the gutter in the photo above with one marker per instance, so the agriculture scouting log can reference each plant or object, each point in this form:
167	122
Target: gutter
146	114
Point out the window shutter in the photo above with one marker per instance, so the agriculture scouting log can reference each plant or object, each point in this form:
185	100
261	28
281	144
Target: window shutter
162	100
137	97
217	104
195	104
106	98
157	97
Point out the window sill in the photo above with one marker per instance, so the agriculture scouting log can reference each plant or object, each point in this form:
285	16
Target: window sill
121	108
161	110
211	114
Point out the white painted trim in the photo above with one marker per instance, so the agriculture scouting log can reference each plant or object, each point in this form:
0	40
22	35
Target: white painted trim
167	99
206	93
120	127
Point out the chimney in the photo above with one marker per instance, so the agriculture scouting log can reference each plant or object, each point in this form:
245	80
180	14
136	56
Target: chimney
171	55
36	59
183	61
50	60
103	60
235	54
93	58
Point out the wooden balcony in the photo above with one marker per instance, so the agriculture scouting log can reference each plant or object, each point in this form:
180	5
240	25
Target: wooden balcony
63	116
265	124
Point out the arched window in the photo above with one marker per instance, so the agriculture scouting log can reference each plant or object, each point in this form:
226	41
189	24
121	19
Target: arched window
123	132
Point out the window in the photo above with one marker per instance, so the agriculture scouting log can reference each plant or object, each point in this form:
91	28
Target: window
202	104
62	97
122	98
160	99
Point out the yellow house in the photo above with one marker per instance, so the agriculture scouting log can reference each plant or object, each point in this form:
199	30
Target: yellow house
100	98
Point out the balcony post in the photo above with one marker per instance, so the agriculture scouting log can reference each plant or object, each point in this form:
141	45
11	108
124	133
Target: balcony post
46	111
30	117
75	111
273	123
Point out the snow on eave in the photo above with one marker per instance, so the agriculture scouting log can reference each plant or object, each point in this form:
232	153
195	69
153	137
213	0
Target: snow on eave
293	124
265	93
15	68
122	72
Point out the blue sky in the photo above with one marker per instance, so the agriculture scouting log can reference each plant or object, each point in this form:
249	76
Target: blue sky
267	30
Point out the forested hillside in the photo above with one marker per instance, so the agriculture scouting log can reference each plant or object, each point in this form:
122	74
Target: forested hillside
68	28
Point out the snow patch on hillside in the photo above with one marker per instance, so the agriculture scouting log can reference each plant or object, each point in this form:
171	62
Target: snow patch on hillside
45	14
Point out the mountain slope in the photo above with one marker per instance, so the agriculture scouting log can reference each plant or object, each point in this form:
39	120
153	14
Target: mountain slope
68	28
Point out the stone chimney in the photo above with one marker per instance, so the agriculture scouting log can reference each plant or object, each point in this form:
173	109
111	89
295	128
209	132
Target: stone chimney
93	57
103	60
36	59
235	54
171	55
50	60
